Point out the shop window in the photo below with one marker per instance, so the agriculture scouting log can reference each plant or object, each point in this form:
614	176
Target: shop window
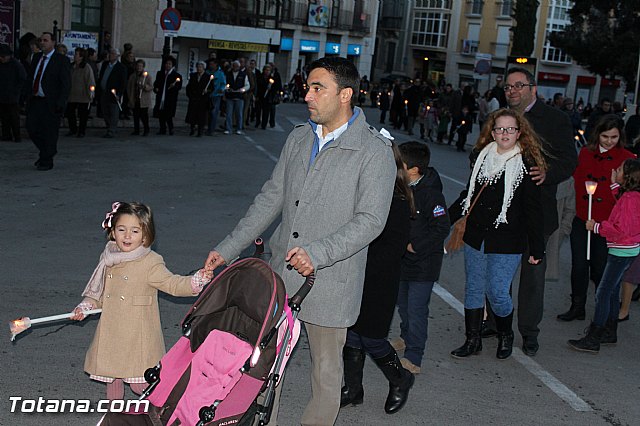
85	15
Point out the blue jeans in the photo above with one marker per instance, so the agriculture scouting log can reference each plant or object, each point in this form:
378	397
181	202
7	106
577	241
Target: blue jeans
214	113
413	307
490	275
607	294
377	348
235	105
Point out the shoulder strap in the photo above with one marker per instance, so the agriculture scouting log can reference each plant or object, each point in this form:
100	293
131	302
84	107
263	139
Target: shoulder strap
476	199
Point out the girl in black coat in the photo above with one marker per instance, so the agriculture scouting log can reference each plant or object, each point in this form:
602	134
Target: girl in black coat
382	277
504	221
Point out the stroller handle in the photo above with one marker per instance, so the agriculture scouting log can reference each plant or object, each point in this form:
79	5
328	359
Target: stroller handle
302	293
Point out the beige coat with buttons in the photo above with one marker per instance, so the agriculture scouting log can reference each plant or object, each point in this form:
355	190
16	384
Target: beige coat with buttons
129	338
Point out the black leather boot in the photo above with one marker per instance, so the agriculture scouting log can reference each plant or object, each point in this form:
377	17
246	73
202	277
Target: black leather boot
400	381
352	392
473	344
590	342
610	335
576	311
505	336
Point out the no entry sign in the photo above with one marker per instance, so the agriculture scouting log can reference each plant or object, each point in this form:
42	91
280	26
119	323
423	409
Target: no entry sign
170	19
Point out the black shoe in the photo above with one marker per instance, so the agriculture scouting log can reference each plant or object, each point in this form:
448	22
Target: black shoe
37	162
171	132
71	133
610	334
576	311
44	167
146	133
161	132
590	342
505	336
530	345
400	381
191	132
352	392
623	319
473	343
135	133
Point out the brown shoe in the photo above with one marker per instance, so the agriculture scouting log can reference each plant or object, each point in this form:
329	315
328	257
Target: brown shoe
410	366
398	344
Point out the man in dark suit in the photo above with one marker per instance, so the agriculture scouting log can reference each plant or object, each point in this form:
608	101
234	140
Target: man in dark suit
112	83
166	87
555	131
50	80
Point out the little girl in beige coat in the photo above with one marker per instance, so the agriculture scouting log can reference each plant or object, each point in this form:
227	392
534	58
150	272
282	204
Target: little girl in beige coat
125	284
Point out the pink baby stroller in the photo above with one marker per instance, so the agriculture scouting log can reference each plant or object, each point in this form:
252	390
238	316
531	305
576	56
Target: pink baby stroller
236	340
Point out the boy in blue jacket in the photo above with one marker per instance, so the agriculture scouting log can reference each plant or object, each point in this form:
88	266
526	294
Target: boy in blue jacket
423	259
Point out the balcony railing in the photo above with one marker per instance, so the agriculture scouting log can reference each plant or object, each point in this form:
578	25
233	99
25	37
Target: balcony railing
260	13
298	14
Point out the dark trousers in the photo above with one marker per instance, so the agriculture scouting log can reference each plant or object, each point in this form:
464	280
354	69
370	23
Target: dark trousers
265	113
583	270
9	114
43	126
166	121
383	116
531	294
110	112
140	114
377	348
83	115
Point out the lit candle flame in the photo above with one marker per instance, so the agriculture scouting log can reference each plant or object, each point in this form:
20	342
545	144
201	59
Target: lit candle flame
591	187
576	138
463	122
144	74
92	88
211	77
271	81
406	101
581	132
428	107
177	79
113	91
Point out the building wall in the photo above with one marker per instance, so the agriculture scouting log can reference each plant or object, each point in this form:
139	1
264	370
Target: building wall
38	16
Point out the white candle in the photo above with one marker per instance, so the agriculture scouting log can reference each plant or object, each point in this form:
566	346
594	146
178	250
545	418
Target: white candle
591	189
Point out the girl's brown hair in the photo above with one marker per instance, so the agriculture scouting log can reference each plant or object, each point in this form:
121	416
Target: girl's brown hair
401	187
604	124
631	179
141	212
528	140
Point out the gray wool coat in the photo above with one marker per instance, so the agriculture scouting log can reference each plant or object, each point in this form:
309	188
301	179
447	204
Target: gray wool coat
333	212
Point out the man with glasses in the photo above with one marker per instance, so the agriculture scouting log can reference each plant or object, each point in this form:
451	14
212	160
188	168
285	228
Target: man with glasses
556	136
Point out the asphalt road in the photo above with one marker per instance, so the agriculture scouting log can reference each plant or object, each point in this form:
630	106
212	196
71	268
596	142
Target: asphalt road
50	241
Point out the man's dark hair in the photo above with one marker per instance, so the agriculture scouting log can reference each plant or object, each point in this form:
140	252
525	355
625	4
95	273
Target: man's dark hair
605	99
416	154
53	39
530	77
342	69
169	58
557	96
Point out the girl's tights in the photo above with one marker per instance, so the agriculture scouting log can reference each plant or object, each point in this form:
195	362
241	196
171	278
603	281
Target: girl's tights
115	389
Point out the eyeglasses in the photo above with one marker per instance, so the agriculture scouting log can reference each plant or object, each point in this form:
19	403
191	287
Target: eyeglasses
503	130
517	86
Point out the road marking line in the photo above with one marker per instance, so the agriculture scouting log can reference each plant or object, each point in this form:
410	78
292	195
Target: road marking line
262	149
555	385
463	184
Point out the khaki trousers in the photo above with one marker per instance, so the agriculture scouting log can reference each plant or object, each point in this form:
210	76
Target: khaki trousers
325	347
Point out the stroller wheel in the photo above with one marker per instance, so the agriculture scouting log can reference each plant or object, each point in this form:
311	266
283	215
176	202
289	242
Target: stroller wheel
152	375
207	414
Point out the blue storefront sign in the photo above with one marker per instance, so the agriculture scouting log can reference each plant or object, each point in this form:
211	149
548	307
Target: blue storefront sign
286	44
309	46
354	49
332	48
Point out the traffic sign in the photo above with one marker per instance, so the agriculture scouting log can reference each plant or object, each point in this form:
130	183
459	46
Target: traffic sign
170	19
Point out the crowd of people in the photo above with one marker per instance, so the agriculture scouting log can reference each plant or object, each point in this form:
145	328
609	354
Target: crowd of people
121	88
369	219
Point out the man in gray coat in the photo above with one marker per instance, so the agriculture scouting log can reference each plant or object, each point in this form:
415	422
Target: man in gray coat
332	187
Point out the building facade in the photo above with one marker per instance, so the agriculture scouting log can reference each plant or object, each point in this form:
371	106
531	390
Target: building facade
291	33
468	42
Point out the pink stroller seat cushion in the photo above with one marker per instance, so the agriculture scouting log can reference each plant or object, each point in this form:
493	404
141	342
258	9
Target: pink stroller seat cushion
215	370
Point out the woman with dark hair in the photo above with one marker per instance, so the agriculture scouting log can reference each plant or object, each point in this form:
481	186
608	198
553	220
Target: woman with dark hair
81	95
381	282
604	152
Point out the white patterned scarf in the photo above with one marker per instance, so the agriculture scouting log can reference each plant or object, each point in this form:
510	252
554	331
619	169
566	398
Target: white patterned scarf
489	167
109	257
